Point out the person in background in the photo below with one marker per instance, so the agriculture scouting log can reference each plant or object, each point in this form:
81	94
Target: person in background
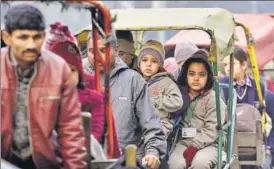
164	92
245	85
183	50
38	97
135	117
126	49
170	64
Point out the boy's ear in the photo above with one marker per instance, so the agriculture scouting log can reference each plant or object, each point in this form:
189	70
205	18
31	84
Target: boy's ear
6	37
245	65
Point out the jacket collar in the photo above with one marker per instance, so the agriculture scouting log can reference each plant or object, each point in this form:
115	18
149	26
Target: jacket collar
202	93
118	66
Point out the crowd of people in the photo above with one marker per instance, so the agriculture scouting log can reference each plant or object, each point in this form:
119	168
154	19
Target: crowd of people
46	84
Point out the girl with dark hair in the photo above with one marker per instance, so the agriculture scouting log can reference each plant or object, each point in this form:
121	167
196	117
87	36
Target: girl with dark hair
197	148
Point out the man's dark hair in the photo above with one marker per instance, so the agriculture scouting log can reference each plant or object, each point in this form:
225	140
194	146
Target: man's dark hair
240	55
182	80
124	34
24	16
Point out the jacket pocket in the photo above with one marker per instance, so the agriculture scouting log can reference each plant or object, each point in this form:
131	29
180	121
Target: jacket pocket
48	109
50	98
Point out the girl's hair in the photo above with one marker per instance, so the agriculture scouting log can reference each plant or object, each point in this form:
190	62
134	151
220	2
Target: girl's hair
182	80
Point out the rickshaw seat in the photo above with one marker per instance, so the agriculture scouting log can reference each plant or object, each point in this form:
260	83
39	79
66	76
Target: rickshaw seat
249	139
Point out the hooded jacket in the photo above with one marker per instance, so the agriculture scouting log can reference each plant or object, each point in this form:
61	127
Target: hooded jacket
204	119
135	117
168	100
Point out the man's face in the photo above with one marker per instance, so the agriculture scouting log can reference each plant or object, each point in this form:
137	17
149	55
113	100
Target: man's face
25	44
126	57
101	51
239	68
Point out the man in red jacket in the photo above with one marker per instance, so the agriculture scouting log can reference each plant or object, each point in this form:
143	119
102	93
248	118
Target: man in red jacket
38	97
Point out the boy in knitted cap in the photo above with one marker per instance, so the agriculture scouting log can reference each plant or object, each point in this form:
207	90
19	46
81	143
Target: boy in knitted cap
165	94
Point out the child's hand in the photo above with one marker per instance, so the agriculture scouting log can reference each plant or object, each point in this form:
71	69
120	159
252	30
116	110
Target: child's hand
189	154
155	91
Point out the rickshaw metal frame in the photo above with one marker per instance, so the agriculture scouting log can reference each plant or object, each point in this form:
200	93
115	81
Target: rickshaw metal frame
106	33
252	55
214	54
255	69
94	7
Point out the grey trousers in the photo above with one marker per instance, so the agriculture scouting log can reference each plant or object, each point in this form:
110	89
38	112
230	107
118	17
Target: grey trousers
205	158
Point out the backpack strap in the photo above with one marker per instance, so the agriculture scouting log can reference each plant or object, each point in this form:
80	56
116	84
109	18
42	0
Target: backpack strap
186	102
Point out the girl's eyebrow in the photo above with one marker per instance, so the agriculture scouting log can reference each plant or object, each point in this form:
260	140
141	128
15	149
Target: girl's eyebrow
196	72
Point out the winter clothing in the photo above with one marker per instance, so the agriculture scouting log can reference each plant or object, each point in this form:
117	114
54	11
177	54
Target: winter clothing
184	50
171	66
204	120
52	98
270	111
205	158
20	137
135	116
91	100
58	32
189	154
63	43
167	100
270	85
154	48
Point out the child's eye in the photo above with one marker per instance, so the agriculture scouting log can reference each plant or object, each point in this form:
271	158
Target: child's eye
202	74
191	74
144	60
155	61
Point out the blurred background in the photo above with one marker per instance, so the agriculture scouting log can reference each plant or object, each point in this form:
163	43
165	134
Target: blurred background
79	19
